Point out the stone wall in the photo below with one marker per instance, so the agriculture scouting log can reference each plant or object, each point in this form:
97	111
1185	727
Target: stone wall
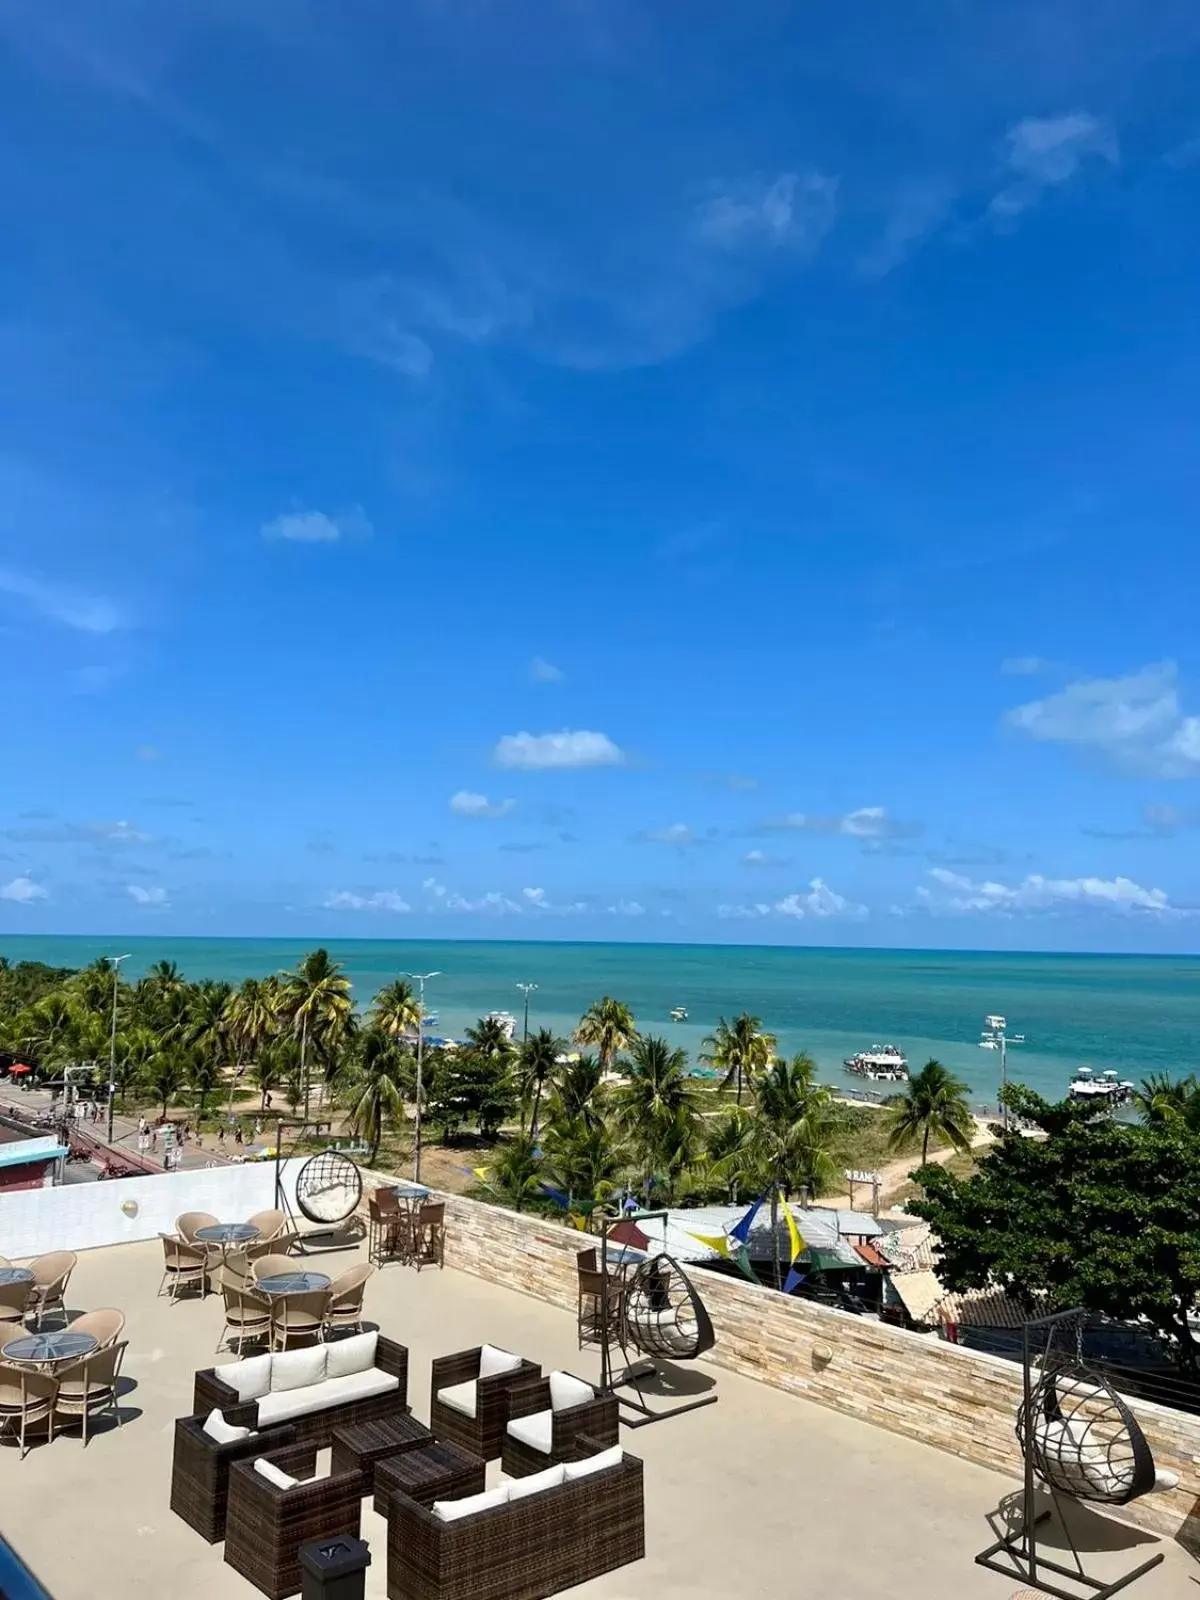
959	1400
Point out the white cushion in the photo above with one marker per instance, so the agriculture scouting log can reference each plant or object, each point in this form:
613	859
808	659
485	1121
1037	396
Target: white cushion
537	1481
566	1391
285	1404
297	1369
596	1463
536	1431
492	1362
248	1379
357	1354
272	1474
461	1397
223	1432
451	1510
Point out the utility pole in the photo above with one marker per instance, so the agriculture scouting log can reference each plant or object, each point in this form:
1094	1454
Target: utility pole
526	989
112	1042
997	1037
420	979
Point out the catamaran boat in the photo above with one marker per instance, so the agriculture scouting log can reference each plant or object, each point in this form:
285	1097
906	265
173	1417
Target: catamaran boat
679	1014
1107	1089
507	1022
884	1062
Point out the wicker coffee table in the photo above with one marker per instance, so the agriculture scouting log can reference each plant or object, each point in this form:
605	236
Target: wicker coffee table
430	1472
362	1445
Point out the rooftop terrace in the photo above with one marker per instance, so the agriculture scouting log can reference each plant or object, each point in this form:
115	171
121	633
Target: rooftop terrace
761	1495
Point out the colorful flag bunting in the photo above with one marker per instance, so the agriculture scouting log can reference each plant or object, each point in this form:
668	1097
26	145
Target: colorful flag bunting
742	1230
793	1280
714	1241
793	1235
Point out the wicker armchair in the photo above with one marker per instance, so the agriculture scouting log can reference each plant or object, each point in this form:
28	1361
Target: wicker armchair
345	1303
247	1317
591	1302
105	1326
298	1317
26	1401
51	1274
272	1265
471	1410
269	1224
189	1222
14	1302
89	1387
429	1235
266	1525
184	1266
546	1419
200	1472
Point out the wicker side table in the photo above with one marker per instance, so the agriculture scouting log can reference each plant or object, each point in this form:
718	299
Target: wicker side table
430	1472
360	1445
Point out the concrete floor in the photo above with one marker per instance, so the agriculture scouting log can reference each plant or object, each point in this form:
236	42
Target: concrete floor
760	1495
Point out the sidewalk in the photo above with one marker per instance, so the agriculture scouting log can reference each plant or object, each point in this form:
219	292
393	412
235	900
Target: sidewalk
28	1103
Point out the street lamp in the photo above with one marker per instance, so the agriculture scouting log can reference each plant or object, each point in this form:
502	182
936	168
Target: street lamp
420	979
526	989
997	1037
112	1041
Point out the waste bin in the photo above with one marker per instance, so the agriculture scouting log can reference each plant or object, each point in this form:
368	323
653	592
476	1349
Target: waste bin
334	1569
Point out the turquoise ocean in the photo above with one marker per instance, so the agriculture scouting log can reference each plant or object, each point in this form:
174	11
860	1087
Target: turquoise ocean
1137	1014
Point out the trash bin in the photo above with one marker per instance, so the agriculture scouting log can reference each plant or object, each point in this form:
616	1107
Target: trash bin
335	1568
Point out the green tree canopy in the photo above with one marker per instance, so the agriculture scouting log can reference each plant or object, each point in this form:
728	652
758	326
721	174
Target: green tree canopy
608	1027
934	1105
739	1050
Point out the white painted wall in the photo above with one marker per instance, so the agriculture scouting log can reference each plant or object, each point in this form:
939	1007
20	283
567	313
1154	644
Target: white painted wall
83	1216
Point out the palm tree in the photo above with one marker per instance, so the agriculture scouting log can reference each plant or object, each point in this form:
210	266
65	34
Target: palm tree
253	1016
725	1147
374	1088
739	1050
515	1170
658	1110
608	1026
577	1088
396	1009
203	1075
166	1076
536	1067
316	999
136	1052
207	1026
583	1158
1162	1096
934	1104
489	1038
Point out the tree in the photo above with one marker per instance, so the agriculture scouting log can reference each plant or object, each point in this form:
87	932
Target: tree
1100	1214
658	1112
206	1030
472	1086
396	1009
253	1016
578	1091
167	1075
739	1050
608	1026
203	1076
536	1066
316	999
489	1037
136	1053
583	1158
1161	1097
933	1104
515	1170
374	1087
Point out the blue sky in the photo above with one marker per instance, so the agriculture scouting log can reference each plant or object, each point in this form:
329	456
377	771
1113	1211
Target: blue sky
579	468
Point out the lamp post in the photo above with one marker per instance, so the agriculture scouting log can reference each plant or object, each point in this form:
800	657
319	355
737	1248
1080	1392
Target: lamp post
420	979
526	989
112	1041
997	1037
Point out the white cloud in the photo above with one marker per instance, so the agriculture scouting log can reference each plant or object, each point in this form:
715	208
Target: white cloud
433	887
756	858
146	894
317	527
1041	152
24	891
758	909
958	893
867	822
494	902
1137	722
467	804
536	897
101	834
376	900
917	210
85	613
543	671
674	833
542	751
793	210
820	901
1024	666
627	908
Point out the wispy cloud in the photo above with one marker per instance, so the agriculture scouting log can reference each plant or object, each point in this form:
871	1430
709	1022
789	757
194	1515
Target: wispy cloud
100	834
24	891
1136	723
543	671
676	833
1024	666
1043	152
867	824
369	900
1159	821
954	892
466	804
819	901
57	603
542	751
318	527
143	894
793	210
915	212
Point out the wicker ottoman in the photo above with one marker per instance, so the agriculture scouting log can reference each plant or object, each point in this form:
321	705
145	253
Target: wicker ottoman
430	1472
361	1444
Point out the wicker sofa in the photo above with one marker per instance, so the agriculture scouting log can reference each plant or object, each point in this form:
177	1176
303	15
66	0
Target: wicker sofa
267	1524
525	1548
468	1397
313	1390
200	1472
546	1417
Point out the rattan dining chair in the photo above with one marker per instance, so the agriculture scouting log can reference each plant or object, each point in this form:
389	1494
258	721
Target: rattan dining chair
184	1266
26	1401
298	1317
269	1224
388	1226
105	1326
590	1305
270	1265
429	1230
189	1222
344	1309
14	1301
247	1317
51	1274
88	1388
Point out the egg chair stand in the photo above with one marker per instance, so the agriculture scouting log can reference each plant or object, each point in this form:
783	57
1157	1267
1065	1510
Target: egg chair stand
661	1318
328	1188
1081	1442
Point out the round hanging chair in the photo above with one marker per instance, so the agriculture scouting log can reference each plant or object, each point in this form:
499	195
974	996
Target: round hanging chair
663	1315
328	1187
1083	1440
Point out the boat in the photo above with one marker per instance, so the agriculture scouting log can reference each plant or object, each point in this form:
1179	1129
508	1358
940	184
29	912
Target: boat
507	1022
679	1014
1107	1089
882	1062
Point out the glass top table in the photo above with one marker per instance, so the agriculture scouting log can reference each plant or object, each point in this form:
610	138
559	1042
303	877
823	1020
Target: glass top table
294	1282
15	1275
411	1191
227	1233
37	1347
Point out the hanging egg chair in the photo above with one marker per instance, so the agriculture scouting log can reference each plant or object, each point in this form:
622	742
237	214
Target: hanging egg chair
663	1316
328	1187
1083	1440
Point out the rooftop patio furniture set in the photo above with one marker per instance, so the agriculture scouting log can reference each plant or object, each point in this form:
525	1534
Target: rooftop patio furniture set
246	1464
51	1378
406	1225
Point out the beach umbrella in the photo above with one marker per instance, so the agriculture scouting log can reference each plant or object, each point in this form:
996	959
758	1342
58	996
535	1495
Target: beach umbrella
19	1067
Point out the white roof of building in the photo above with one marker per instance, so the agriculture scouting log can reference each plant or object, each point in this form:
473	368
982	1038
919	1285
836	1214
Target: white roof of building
820	1227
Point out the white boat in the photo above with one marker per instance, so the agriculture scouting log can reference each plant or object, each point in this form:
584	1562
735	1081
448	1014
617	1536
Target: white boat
1107	1089
679	1014
507	1022
882	1062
